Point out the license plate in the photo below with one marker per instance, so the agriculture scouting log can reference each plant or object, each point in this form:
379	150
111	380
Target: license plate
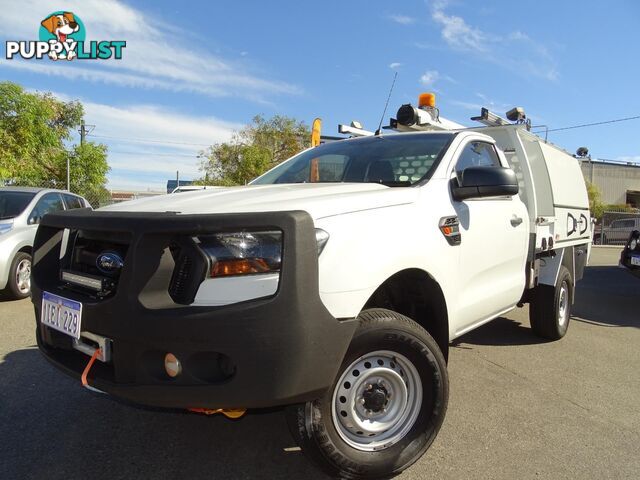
635	261
61	314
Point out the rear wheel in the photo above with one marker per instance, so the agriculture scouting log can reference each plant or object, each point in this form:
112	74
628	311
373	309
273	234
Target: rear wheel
550	309
386	405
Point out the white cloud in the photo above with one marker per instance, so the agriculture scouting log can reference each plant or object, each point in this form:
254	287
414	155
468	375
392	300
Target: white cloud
157	54
148	164
179	131
402	19
458	34
147	144
152	122
515	51
394	65
429	78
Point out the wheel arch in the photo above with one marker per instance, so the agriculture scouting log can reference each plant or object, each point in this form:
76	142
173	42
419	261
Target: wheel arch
416	294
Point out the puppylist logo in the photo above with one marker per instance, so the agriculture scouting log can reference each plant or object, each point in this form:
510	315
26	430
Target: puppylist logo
62	37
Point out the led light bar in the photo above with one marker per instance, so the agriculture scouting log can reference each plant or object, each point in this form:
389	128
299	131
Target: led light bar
86	281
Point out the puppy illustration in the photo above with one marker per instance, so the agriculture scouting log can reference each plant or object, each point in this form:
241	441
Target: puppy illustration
61	26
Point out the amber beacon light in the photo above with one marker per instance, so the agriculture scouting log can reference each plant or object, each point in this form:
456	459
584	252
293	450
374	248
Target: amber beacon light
427	100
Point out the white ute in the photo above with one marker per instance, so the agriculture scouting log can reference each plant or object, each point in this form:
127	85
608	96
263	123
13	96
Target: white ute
425	230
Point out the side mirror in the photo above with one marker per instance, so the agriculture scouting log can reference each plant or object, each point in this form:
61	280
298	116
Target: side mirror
478	182
34	219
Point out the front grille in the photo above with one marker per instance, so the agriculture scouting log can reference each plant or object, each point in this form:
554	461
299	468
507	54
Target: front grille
84	250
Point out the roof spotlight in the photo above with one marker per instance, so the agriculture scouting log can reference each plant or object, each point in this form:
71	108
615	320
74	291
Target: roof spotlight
516	114
582	152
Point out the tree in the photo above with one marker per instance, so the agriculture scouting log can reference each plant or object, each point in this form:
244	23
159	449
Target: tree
35	130
253	150
595	200
88	172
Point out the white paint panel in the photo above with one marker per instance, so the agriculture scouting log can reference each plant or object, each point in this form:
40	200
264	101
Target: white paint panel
567	182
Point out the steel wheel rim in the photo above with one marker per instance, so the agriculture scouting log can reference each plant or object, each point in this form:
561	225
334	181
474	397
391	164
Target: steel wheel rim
370	429
23	276
563	304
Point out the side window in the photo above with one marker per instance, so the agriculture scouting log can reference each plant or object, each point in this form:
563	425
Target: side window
326	168
72	201
51	202
331	168
477	154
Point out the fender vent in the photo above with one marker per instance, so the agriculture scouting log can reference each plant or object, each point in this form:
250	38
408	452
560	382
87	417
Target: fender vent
180	277
189	272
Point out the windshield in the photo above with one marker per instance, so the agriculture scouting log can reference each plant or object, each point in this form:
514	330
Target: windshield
394	160
13	204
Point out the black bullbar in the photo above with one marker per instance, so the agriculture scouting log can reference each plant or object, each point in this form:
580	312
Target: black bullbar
272	351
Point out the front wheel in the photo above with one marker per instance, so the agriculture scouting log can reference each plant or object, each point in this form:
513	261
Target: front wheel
386	406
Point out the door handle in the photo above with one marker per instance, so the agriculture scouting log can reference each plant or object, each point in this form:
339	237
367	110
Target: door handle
515	221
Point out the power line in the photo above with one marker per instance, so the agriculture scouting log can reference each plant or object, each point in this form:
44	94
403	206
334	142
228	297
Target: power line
154	154
173	142
151	140
593	124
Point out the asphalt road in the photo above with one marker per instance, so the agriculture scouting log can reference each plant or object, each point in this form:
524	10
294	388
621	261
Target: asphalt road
519	408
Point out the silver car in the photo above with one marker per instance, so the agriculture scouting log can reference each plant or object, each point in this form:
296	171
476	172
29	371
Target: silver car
21	209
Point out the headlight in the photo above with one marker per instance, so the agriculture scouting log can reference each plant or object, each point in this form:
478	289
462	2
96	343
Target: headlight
242	253
633	243
5	227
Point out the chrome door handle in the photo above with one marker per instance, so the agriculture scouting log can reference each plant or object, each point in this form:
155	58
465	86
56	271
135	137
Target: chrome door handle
515	221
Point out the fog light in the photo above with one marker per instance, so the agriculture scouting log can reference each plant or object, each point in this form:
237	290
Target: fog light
172	365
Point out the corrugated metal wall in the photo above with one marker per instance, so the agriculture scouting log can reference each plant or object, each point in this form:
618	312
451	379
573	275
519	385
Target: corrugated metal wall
613	180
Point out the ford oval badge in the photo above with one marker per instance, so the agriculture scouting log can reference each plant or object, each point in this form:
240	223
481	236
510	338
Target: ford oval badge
109	263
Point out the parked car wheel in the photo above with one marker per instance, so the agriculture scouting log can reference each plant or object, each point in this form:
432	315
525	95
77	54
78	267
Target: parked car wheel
387	403
550	309
19	282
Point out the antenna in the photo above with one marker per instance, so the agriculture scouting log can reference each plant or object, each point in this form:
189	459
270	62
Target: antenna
379	131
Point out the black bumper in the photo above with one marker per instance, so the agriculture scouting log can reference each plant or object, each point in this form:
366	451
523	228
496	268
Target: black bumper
261	353
627	254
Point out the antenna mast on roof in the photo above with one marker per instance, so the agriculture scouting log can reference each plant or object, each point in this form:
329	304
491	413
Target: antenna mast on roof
379	130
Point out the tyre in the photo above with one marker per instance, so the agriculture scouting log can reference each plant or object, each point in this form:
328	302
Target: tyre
386	406
19	282
550	309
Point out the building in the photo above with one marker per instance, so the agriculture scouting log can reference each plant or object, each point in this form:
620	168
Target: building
118	196
618	182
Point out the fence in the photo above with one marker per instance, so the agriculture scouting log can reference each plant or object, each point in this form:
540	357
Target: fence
615	227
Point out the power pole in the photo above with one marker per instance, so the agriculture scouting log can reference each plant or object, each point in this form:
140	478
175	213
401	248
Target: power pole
68	179
83	134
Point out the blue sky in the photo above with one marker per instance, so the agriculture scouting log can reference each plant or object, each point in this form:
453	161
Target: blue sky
192	72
